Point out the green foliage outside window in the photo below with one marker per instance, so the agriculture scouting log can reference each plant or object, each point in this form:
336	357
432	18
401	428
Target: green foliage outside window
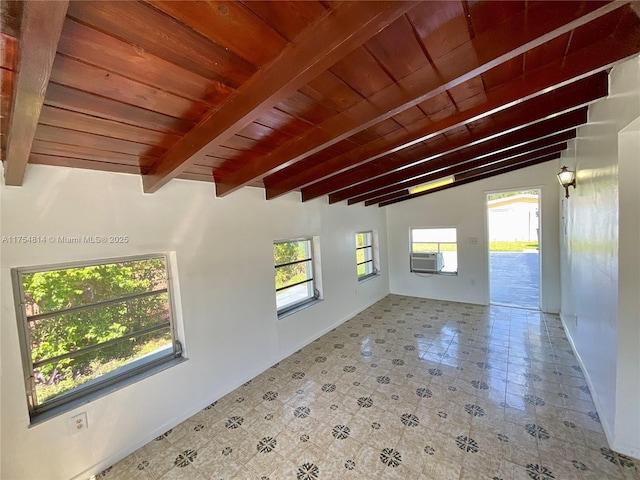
287	252
75	328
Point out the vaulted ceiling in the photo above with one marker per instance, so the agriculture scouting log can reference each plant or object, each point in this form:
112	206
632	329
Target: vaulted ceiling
355	100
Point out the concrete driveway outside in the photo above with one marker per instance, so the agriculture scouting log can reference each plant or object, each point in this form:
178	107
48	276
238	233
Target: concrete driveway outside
515	279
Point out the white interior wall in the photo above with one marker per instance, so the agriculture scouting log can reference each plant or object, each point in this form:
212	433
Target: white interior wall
627	419
465	207
599	254
224	256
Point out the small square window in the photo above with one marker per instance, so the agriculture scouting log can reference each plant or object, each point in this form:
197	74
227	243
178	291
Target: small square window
294	274
85	327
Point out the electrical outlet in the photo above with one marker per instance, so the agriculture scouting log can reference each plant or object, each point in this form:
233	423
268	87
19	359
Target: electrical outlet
473	240
78	422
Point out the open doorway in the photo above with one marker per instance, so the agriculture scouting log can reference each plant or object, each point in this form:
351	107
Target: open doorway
514	248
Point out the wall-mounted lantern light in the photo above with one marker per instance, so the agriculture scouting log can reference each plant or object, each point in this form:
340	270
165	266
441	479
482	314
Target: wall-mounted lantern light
567	177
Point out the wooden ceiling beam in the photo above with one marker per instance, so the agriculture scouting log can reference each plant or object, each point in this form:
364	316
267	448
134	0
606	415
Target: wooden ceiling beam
39	35
475	168
493	173
500	166
491	141
594	57
451	164
337	33
532	111
526	30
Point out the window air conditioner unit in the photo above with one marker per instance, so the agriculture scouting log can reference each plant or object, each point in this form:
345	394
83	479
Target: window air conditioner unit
426	262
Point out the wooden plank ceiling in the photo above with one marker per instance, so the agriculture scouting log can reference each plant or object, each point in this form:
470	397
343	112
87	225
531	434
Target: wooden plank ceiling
355	100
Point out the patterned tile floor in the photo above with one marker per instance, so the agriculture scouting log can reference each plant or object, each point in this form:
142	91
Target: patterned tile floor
408	389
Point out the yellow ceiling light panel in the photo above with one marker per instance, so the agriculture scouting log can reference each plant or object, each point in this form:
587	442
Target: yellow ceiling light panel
431	185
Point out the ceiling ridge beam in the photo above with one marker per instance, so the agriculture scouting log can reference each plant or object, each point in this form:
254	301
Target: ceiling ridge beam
313	51
493	173
529	29
556	74
533	111
39	35
453	164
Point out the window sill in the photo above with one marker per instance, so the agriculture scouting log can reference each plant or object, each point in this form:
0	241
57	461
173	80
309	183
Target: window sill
39	417
368	277
434	274
297	308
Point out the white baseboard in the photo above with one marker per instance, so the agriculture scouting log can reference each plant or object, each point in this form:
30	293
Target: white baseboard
608	431
128	450
629	450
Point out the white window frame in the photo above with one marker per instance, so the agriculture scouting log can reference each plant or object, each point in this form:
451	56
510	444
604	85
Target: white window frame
106	383
412	249
314	294
372	246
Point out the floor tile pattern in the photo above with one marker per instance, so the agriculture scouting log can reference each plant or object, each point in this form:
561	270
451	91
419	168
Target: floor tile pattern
408	389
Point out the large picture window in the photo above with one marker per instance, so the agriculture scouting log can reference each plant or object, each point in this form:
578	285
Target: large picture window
295	284
440	241
365	258
86	327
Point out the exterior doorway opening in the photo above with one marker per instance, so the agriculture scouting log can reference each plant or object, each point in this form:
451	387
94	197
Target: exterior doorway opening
514	248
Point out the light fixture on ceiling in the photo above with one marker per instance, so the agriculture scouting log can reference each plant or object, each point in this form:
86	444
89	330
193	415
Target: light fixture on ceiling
431	185
567	178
